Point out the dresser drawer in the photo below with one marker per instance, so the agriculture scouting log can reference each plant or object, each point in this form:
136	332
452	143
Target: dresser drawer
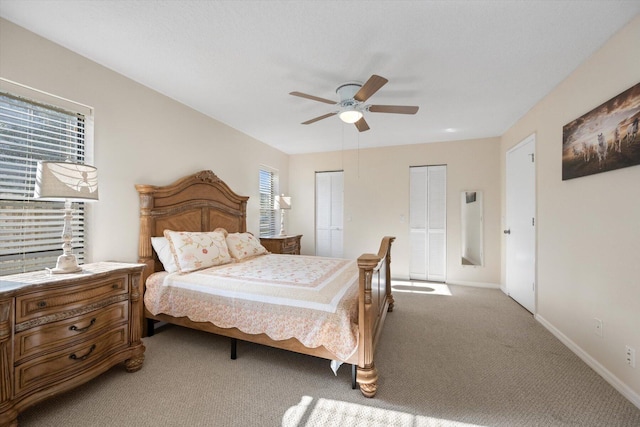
290	244
61	303
52	336
290	247
60	366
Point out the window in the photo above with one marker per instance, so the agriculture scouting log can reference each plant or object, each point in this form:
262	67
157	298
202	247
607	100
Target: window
268	180
31	230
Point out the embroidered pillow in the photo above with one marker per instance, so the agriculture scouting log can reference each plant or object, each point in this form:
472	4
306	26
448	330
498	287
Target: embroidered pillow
244	245
196	250
163	249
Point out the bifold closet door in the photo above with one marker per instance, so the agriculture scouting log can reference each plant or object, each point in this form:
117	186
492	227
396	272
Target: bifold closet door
428	223
329	213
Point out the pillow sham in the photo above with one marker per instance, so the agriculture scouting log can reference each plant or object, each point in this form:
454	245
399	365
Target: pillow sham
196	250
163	249
244	245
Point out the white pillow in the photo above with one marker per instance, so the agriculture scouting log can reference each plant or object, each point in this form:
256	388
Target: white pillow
196	250
163	249
244	245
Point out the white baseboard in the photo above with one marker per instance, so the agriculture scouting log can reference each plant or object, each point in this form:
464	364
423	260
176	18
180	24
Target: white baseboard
474	284
594	364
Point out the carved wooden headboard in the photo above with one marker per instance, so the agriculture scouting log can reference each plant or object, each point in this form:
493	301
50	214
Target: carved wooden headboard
198	202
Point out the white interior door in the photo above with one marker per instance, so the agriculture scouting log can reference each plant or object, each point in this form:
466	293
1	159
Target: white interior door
520	223
428	223
329	214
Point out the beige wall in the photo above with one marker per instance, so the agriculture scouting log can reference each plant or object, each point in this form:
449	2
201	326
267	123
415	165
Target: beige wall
141	137
376	197
588	255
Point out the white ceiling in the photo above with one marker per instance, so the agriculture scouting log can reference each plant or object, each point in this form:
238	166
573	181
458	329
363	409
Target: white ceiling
474	67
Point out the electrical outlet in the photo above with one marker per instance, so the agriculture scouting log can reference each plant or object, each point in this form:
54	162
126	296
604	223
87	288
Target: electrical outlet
598	327
630	353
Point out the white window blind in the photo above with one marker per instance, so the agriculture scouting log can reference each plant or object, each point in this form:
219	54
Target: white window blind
31	230
267	196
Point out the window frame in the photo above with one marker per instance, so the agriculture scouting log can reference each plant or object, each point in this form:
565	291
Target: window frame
268	191
26	139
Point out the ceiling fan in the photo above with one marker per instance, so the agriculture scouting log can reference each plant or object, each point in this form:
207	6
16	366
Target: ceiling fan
351	106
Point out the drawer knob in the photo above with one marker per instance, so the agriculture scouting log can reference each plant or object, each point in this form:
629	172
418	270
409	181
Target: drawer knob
75	328
74	357
42	304
115	286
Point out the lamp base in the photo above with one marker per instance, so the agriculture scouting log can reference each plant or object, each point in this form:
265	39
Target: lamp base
66	264
282	232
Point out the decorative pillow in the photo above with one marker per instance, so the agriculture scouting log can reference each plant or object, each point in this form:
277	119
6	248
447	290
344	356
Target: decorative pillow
196	250
163	249
243	245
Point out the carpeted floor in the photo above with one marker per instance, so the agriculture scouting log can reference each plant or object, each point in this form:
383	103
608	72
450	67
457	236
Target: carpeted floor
472	358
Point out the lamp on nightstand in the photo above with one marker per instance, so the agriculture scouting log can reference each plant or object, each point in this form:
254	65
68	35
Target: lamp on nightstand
67	182
282	203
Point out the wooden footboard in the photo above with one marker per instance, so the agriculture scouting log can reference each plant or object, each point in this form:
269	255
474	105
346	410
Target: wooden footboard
375	300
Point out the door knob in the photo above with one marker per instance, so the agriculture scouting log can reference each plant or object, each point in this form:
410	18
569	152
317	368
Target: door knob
507	231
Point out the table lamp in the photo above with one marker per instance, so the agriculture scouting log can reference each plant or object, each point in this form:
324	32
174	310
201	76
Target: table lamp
66	181
282	203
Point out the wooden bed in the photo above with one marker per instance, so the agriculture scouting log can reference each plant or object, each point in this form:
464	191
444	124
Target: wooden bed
203	202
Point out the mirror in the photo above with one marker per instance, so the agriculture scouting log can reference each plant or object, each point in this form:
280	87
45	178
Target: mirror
471	231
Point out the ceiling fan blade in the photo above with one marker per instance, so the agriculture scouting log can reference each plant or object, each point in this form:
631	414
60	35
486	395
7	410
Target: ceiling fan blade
314	98
362	125
370	87
396	109
308	122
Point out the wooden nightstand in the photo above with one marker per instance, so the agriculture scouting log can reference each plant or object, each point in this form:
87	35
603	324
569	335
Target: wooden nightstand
282	244
58	331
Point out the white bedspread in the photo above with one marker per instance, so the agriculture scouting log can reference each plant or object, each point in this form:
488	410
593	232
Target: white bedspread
312	299
301	281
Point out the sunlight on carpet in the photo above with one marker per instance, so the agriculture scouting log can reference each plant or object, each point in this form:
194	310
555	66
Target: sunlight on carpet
330	413
421	287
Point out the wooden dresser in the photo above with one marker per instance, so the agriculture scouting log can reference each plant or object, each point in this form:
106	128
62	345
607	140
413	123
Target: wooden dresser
282	244
58	331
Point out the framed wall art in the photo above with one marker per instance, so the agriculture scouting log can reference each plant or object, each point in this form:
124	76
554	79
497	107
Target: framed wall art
604	139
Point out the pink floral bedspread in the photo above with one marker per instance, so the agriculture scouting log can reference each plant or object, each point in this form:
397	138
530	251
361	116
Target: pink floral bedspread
312	299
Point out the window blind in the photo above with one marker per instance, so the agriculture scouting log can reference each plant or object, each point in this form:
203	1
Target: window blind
31	230
267	195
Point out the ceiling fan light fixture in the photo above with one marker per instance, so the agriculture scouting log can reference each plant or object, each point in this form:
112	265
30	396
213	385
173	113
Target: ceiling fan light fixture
350	116
351	106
